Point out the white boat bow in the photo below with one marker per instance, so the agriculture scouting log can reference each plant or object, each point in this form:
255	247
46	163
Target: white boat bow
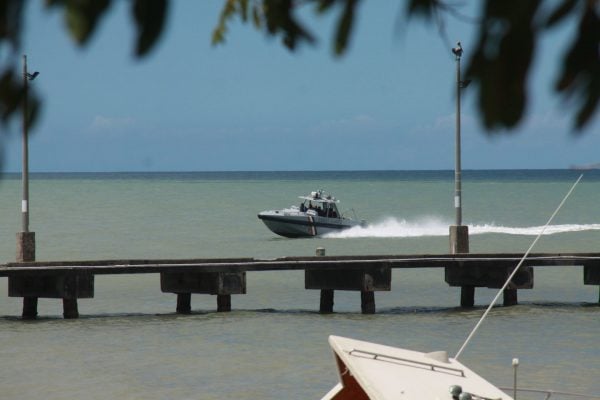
378	372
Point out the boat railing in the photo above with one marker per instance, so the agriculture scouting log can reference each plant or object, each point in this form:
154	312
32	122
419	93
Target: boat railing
384	357
343	214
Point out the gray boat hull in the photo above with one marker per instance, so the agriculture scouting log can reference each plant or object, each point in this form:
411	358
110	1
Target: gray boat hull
299	224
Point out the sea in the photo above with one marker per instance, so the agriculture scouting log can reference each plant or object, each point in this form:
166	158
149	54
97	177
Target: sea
130	344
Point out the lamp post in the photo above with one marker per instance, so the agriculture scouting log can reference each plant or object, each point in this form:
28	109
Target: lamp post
457	164
25	238
459	234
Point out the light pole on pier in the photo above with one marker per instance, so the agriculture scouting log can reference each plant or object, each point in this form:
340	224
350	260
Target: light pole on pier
25	238
459	234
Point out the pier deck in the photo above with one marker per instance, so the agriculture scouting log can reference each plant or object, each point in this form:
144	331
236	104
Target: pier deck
71	280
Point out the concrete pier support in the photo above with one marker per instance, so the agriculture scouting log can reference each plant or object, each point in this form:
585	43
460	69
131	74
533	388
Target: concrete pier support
25	246
68	286
483	276
326	304
459	243
26	253
467	296
367	302
223	302
30	308
510	297
365	281
221	284
70	309
459	239
184	303
591	276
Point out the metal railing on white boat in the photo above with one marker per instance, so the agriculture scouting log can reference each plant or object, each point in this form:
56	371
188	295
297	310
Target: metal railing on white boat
384	357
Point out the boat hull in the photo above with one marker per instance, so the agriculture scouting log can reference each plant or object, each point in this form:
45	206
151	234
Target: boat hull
368	370
296	225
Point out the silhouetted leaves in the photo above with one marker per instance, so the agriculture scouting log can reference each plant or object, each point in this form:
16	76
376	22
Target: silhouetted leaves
11	12
345	27
581	70
276	17
562	11
12	94
279	16
81	16
423	8
150	17
499	62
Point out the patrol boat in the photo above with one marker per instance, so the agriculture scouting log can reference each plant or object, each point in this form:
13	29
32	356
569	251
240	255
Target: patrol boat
316	215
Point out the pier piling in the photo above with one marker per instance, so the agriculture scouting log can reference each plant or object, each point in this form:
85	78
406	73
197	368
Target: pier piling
25	246
326	304
223	302
467	296
184	303
459	244
30	308
367	302
26	253
591	276
365	280
222	284
70	309
68	286
510	297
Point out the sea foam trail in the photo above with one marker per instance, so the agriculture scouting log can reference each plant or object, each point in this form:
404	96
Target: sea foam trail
433	226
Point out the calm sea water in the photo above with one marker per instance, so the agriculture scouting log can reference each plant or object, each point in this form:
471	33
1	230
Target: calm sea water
129	343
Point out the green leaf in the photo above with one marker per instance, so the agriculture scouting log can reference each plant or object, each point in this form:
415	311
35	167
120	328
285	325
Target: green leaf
229	10
82	17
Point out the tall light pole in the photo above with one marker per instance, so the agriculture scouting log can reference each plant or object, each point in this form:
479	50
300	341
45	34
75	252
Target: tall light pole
457	164
25	239
459	234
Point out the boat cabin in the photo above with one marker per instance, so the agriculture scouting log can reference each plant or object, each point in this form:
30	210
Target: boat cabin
320	204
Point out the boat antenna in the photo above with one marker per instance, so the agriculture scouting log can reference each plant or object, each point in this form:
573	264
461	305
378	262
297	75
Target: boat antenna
515	270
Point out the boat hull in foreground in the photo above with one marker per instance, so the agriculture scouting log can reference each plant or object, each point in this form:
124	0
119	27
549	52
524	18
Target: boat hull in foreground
372	371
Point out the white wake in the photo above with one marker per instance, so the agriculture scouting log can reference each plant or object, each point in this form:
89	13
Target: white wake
432	226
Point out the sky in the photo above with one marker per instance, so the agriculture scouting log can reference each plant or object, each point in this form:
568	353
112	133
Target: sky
250	104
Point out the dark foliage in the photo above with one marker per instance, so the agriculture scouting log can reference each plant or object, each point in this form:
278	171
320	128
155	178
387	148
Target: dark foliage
499	64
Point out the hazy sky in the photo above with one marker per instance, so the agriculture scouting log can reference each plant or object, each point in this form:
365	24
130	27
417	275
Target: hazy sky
252	105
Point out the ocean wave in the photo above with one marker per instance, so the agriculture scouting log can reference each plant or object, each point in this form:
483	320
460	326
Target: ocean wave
392	227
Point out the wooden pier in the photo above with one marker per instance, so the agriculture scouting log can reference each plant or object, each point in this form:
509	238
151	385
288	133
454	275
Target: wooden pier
72	280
